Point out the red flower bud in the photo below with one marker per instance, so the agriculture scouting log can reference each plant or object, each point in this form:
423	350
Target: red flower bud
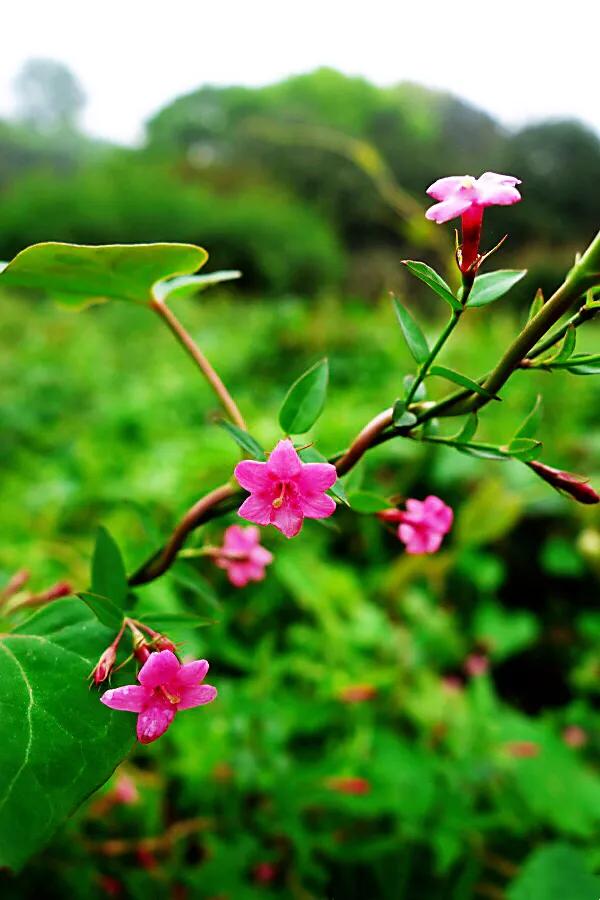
165	643
18	580
105	664
523	749
392	515
60	589
264	873
349	785
574	485
358	693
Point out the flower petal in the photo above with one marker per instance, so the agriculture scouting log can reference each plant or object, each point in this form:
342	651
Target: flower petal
260	556
496	178
158	669
455	206
197	696
316	477
154	721
130	698
256	508
253	475
317	506
192	673
284	463
238	574
445	187
288	519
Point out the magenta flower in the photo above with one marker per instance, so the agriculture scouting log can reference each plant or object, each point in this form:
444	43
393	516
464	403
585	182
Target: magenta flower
423	526
165	688
465	196
242	555
284	491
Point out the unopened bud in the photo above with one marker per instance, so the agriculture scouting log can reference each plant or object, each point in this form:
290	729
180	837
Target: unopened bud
391	515
350	785
60	589
165	643
574	485
358	693
16	582
105	664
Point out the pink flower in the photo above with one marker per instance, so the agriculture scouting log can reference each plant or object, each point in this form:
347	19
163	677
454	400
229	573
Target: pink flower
465	196
423	526
284	491
476	664
574	736
165	687
242	555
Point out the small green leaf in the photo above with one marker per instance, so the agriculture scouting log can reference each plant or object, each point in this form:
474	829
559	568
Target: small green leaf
244	440
402	417
529	426
366	502
109	578
431	278
414	337
566	346
76	274
524	448
462	380
468	430
536	305
483	452
588	368
104	609
188	285
305	400
493	285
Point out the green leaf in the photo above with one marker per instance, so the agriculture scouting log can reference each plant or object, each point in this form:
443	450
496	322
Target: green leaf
402	417
584	368
104	609
414	337
420	393
109	578
482	451
366	502
305	400
566	346
462	380
536	304
524	449
188	285
188	578
529	426
468	430
555	872
164	621
493	285
59	743
431	278
79	275
244	440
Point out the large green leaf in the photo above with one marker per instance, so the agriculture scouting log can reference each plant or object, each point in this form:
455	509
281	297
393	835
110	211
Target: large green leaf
555	872
77	274
493	285
305	400
59	743
109	578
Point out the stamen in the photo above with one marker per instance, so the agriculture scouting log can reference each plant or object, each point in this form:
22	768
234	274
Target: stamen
172	698
278	501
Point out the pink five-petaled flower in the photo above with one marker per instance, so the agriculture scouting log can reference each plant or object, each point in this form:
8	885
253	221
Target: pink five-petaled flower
165	688
242	555
423	526
284	491
465	196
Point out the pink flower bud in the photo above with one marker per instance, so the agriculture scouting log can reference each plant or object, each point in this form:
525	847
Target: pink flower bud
125	791
358	693
165	643
574	736
574	485
105	665
60	589
522	749
264	873
349	785
476	664
16	582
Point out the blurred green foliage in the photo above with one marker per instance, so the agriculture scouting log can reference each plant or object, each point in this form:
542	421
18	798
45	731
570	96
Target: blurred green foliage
464	786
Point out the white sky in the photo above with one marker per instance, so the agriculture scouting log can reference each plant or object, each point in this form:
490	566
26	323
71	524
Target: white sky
518	59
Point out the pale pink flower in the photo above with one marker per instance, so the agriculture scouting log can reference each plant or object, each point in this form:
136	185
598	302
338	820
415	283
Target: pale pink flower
284	490
574	736
423	525
476	664
165	688
125	790
242	555
465	196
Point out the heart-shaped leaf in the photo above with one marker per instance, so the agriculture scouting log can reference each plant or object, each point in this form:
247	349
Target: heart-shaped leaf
79	275
431	278
305	400
413	335
493	285
189	285
59	743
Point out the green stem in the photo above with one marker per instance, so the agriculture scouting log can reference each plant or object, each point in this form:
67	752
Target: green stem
583	315
435	350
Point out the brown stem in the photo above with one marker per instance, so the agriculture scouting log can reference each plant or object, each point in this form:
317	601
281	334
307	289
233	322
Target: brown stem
208	507
363	441
186	341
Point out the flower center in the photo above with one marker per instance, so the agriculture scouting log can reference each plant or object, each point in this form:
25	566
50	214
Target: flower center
278	501
468	181
172	698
